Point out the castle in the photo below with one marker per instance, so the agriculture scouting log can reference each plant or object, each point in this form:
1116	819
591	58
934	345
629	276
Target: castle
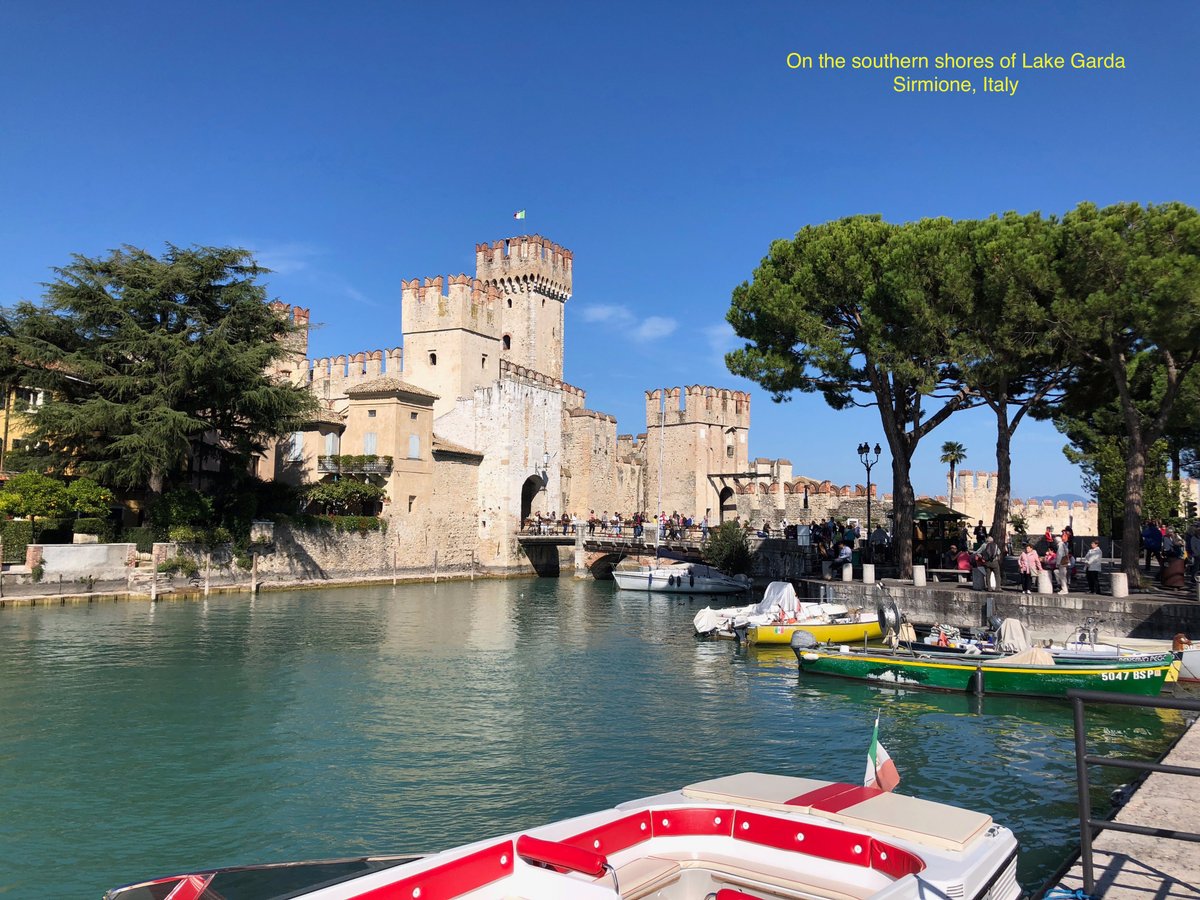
974	493
470	428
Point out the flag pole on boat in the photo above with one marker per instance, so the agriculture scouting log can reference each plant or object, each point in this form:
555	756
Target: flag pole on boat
881	771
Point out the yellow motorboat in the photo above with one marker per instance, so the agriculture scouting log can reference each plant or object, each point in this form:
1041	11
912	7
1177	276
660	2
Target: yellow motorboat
865	627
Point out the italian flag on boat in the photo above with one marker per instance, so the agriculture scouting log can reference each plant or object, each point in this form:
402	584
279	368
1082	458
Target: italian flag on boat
881	771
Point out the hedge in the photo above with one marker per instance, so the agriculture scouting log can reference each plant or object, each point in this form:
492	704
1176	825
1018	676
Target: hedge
102	527
53	531
143	536
17	535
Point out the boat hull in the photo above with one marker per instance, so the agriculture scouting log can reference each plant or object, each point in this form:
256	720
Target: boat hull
1139	678
833	633
662	582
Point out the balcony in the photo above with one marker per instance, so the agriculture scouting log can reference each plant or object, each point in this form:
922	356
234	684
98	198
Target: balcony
355	465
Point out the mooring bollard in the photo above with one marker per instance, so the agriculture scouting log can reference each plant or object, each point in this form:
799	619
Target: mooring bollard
918	576
868	573
978	575
1045	585
1120	584
848	572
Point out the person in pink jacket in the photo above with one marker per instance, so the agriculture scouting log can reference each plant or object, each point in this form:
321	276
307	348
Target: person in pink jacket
1030	564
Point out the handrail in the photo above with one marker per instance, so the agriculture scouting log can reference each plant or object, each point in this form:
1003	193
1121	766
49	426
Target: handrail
1089	827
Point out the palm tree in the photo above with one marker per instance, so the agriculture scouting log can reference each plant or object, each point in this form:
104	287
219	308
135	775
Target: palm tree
952	454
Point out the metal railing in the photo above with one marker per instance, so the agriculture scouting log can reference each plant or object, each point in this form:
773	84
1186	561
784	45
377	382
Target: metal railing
1089	827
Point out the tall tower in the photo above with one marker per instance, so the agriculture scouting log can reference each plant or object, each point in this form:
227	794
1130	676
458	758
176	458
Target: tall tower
451	339
532	277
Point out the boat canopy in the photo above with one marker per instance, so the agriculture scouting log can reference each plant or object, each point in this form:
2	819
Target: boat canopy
779	595
1033	656
1013	637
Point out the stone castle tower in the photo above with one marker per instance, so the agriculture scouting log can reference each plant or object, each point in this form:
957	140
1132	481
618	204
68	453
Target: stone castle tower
532	279
703	433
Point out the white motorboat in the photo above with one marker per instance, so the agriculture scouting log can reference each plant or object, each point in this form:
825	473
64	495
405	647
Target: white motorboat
741	837
683	578
779	605
1189	664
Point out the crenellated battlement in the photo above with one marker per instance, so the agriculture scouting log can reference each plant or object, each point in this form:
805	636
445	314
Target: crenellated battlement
329	376
452	302
575	397
700	405
526	262
297	315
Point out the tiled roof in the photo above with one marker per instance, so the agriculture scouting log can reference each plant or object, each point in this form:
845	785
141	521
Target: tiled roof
330	416
388	385
442	445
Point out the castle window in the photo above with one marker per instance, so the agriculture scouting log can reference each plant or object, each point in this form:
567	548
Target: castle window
412	415
507	342
369	443
411	502
510	302
370	413
414	447
729	451
483	362
433	359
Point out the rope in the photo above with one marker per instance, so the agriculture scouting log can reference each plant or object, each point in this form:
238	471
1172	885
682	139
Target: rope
1062	893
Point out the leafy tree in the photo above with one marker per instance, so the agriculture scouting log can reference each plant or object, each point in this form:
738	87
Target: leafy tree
1011	358
182	506
341	497
862	312
727	549
89	499
1130	313
953	453
33	495
156	368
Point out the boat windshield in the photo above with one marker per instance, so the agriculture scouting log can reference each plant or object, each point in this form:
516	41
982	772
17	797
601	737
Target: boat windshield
277	882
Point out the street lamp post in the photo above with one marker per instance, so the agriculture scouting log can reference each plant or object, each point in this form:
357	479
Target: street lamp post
864	455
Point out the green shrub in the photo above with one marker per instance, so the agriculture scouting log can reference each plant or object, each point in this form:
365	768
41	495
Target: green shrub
728	550
103	528
17	535
38	572
183	565
143	536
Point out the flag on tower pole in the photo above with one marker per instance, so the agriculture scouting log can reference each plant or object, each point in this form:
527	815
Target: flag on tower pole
881	771
519	214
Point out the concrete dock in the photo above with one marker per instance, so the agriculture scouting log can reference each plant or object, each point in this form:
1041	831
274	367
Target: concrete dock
1134	867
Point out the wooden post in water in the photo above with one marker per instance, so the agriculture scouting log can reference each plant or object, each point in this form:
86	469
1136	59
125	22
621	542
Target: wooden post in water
207	566
435	574
472	565
253	572
393	567
153	581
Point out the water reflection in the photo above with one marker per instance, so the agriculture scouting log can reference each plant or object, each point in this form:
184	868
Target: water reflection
325	723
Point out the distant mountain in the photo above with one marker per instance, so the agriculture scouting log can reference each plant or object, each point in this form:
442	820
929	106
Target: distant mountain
1069	498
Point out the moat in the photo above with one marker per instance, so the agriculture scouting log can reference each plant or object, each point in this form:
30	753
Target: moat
138	739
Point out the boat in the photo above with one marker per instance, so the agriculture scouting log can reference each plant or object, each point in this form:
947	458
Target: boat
693	578
1033	672
779	604
749	836
851	625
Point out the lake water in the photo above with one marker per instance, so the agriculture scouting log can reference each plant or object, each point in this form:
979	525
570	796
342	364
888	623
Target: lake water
140	740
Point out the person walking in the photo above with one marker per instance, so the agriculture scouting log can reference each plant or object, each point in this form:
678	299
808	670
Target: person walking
1030	564
1091	564
1063	550
992	559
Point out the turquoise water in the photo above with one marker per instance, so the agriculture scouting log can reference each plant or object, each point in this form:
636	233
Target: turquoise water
140	740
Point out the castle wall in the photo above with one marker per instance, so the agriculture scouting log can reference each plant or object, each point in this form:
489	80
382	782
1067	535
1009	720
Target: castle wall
975	495
595	478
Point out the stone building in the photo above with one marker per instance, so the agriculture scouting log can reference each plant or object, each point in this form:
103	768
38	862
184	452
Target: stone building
470	428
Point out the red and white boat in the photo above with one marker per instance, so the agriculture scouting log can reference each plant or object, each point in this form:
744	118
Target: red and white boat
741	837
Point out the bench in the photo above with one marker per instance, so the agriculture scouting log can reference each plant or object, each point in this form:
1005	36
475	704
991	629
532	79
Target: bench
960	574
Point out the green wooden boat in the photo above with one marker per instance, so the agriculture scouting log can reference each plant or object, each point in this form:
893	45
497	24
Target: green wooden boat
1032	673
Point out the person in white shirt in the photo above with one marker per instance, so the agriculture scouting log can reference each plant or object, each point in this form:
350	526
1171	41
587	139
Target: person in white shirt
1091	561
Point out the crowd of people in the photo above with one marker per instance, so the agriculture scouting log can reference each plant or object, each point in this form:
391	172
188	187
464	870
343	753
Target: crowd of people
1176	552
614	524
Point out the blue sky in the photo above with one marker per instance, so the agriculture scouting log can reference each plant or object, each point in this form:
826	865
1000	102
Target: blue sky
667	144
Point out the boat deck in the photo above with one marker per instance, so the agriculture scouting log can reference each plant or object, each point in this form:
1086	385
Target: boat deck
1133	867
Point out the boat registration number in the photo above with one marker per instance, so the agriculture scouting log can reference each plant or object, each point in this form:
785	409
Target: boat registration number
1127	675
